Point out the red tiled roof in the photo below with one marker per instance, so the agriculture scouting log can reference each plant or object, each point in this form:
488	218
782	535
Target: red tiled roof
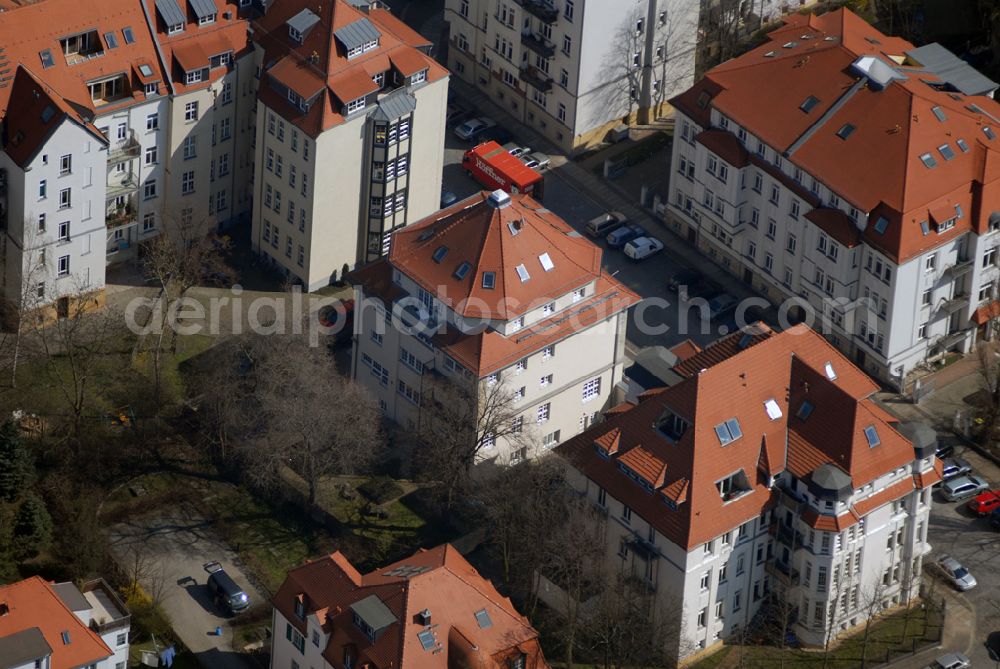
439	580
986	313
930	477
32	603
645	464
878	168
883	497
821	521
685	349
723	349
725	145
837	224
785	368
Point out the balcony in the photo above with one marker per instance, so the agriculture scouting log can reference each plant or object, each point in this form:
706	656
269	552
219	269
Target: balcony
123	150
540	9
950	339
538	44
960	268
783	572
121	184
537	78
119	213
788	536
950	306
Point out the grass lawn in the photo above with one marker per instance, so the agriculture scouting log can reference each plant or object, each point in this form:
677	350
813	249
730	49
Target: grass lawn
887	637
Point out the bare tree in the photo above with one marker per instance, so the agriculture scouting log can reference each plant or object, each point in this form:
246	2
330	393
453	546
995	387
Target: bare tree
186	252
142	571
629	629
34	273
872	597
460	421
296	410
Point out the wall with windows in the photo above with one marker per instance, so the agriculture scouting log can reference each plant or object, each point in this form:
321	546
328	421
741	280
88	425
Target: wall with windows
55	220
291	649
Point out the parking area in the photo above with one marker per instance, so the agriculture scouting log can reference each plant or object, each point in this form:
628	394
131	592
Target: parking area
176	546
662	321
956	531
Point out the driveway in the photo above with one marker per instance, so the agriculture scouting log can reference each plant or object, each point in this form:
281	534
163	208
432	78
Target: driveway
176	545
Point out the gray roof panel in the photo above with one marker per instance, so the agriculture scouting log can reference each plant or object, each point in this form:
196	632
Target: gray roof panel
398	103
71	597
952	69
354	35
303	21
22	647
170	12
203	8
374	613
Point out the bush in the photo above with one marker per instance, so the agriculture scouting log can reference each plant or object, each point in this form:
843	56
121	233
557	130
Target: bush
147	618
380	489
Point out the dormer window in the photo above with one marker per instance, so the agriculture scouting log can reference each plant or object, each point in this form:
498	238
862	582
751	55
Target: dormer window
733	486
300	607
194	76
206	19
221	59
175	28
355	105
671	425
419	77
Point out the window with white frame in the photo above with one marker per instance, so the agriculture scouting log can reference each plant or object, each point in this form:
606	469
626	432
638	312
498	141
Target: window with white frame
542	413
191	111
592	389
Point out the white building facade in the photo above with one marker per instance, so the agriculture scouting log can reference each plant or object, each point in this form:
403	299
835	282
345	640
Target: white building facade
556	356
574	69
896	258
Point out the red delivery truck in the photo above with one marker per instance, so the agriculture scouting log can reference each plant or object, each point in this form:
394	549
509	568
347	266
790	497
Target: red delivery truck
492	166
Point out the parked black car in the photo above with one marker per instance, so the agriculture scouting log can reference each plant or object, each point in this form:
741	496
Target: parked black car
226	595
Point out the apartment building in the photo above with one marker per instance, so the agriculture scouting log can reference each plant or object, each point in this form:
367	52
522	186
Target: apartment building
431	609
574	69
60	626
767	475
849	172
350	135
512	298
117	121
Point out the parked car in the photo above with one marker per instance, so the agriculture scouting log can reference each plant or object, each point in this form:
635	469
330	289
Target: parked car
447	198
226	595
951	661
516	150
721	303
963	487
457	113
944	450
600	226
497	133
643	247
995	518
955	467
985	503
705	289
536	160
956	573
623	235
684	277
474	127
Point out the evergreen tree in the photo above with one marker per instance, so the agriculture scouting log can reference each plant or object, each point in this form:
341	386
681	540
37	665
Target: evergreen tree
17	469
32	528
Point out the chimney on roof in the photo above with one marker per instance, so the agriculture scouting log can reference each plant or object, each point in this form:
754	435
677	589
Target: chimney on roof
518	223
425	617
314	57
499	199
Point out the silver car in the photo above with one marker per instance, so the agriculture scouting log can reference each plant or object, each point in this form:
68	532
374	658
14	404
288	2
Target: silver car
956	573
963	487
951	661
536	160
953	467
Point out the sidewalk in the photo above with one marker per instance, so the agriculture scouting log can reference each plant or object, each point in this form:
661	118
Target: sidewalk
954	388
959	623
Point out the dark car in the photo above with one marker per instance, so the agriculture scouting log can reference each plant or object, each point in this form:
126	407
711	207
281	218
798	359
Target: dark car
623	235
684	277
496	133
448	198
944	450
704	288
226	595
995	518
952	467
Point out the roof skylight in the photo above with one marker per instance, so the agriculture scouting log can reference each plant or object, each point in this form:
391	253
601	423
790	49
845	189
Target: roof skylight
928	160
462	270
946	151
772	409
881	224
808	104
871	434
962	145
988	131
145	70
728	431
489	280
845	131
828	370
46	56
522	272
546	261
925	228
48	113
805	409
483	619
439	254
128	35
939	113
112	40
427	640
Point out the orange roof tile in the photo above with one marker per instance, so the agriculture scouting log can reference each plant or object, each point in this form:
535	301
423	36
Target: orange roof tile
685	349
723	349
883	497
645	464
785	368
32	603
879	167
835	223
986	313
930	477
439	580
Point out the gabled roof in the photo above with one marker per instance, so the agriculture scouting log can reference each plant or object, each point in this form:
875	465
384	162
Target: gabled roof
778	371
847	104
34	604
470	622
